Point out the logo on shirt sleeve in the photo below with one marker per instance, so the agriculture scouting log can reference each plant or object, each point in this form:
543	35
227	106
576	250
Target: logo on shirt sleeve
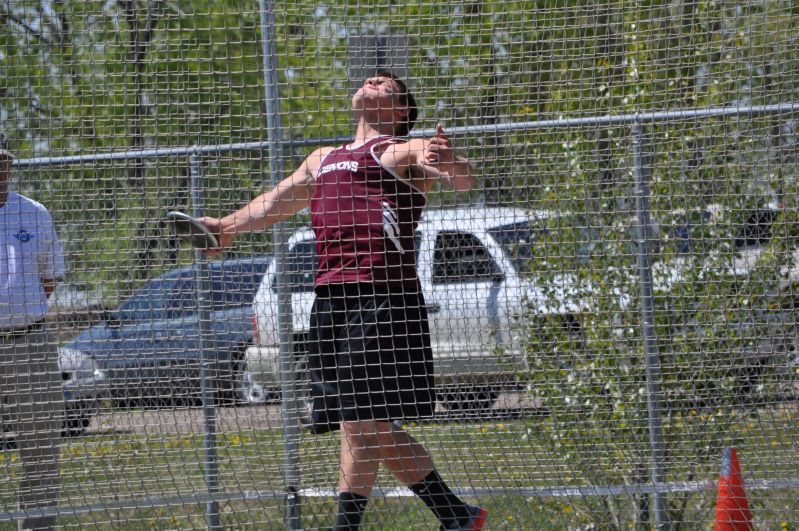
24	236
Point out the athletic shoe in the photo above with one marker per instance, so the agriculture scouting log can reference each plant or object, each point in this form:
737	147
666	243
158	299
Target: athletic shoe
477	520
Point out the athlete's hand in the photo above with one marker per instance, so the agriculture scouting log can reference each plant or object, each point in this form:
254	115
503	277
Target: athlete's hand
224	238
439	163
438	150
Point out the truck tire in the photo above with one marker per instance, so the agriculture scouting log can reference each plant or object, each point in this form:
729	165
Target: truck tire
76	421
467	397
302	390
246	391
302	382
303	379
237	387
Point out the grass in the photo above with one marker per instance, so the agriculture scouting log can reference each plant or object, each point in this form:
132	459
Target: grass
500	455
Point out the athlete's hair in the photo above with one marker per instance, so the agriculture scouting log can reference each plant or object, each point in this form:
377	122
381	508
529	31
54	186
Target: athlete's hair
406	98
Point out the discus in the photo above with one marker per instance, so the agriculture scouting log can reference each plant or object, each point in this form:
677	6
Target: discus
192	230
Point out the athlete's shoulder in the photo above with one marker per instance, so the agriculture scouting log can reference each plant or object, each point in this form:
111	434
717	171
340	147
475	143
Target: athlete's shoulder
401	145
406	152
322	152
314	160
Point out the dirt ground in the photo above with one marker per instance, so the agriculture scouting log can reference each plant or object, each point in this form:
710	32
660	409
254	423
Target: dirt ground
186	421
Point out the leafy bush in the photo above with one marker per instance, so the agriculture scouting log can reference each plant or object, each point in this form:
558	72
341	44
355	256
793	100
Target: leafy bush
711	320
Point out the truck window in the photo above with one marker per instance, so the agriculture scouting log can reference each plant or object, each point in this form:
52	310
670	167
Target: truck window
461	257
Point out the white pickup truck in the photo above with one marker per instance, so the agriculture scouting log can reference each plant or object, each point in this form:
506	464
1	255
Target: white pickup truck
472	263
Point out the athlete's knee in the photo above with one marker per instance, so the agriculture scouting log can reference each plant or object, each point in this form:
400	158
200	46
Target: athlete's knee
361	435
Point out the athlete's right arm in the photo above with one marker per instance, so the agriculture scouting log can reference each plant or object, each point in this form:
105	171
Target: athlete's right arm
291	195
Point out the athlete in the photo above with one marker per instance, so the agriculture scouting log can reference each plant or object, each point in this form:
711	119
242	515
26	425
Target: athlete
369	347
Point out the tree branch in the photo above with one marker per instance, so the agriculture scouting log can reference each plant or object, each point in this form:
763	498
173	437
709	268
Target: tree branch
28	29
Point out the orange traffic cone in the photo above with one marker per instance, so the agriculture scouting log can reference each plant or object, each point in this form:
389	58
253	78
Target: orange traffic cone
732	509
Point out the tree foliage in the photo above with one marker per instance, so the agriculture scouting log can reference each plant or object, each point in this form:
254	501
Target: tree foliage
95	77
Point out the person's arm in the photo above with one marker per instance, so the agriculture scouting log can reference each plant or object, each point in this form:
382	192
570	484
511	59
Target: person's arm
48	285
431	160
291	195
50	255
459	176
439	161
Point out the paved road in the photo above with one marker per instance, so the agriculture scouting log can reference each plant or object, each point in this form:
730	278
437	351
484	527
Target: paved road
190	420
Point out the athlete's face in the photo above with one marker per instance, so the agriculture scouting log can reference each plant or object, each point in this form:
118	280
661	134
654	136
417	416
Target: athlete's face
379	99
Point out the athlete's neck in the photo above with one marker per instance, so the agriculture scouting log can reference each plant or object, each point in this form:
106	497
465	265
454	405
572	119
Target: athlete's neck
366	132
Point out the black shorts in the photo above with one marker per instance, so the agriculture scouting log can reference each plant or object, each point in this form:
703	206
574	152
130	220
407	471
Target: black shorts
369	356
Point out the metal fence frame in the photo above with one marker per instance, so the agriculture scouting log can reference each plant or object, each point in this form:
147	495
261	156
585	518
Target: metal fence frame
275	146
293	492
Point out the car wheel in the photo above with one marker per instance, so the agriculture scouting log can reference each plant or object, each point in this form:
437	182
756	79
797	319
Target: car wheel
468	397
76	421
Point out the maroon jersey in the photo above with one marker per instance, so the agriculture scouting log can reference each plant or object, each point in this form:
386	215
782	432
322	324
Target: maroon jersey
365	218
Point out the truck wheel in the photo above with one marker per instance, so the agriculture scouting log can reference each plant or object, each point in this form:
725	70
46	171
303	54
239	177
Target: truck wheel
302	382
245	390
303	392
467	397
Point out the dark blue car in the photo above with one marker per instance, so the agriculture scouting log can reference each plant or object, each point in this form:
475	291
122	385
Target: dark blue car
150	348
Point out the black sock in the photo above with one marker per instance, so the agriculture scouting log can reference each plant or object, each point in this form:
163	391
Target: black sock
350	511
448	508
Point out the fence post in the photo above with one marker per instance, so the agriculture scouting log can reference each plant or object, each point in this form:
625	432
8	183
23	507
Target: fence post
208	361
288	380
641	161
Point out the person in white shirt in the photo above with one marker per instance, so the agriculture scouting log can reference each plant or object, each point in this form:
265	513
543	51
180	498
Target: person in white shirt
30	380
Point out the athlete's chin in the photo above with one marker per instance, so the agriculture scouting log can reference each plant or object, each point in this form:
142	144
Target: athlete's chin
366	97
364	102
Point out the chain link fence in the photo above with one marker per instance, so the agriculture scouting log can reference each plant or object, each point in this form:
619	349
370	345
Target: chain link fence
610	308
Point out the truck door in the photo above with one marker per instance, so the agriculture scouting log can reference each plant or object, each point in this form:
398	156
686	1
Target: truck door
300	274
464	283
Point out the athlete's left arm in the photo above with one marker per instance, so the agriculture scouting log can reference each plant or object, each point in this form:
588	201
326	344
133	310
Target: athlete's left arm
48	285
436	161
425	161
